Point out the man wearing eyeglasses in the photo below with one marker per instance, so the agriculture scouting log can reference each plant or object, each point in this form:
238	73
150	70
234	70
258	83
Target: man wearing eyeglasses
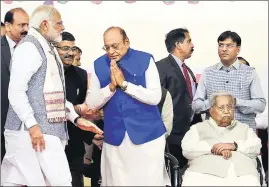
126	82
230	75
76	81
221	150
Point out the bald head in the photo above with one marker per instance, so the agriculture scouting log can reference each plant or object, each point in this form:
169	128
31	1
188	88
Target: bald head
116	30
116	43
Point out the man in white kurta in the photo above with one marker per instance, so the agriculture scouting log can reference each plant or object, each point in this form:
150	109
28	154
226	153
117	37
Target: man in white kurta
221	151
129	161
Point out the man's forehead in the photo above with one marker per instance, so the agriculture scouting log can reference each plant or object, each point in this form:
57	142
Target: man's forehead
67	43
112	36
227	40
187	36
223	99
20	16
57	17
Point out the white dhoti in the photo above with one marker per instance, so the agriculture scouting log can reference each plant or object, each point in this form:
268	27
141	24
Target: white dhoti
133	165
199	179
24	166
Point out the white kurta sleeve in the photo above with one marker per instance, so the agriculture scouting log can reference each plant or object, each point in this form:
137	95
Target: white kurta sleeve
167	113
152	93
71	113
250	147
96	96
191	145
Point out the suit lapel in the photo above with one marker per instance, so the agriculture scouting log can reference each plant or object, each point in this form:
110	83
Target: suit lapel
179	73
5	52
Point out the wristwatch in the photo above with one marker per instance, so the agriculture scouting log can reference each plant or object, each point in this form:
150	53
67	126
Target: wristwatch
124	85
235	146
76	120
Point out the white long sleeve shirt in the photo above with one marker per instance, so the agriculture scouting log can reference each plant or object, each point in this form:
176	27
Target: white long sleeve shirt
97	97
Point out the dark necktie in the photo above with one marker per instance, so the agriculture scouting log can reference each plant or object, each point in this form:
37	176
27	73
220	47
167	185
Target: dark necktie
187	78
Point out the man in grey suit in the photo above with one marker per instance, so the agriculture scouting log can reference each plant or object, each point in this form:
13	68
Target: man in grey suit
16	25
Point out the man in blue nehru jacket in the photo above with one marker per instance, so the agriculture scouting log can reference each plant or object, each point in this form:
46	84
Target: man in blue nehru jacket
125	82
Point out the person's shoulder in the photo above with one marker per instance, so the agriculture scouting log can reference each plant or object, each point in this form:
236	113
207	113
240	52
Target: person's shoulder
79	70
245	67
163	63
3	40
213	67
240	124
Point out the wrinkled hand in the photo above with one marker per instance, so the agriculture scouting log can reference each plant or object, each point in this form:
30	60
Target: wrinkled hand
37	138
226	154
98	140
219	147
88	126
117	73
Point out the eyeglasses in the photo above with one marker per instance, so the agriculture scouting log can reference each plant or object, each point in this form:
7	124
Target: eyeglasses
67	48
114	47
222	108
228	46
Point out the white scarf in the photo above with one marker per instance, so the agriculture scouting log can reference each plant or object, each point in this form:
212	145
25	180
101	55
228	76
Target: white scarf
54	87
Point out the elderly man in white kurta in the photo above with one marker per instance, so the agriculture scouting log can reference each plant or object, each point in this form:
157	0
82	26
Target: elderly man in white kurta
221	151
126	82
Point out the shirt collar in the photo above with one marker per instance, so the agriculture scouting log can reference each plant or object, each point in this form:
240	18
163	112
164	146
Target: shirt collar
11	43
179	62
235	65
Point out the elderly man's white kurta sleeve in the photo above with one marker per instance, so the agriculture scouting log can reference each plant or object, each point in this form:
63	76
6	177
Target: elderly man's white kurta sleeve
191	145
97	97
250	147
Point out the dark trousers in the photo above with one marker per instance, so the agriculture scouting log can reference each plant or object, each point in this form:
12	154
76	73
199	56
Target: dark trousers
263	135
76	168
3	147
93	170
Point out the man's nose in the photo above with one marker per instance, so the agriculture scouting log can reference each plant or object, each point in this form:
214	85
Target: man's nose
70	52
226	110
26	27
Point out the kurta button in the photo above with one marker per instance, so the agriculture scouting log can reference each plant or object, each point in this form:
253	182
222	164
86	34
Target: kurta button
227	81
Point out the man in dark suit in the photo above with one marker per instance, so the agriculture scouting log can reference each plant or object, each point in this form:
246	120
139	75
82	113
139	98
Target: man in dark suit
16	25
76	81
3	29
179	80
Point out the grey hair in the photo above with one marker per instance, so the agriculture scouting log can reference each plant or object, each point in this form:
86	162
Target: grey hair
213	96
41	13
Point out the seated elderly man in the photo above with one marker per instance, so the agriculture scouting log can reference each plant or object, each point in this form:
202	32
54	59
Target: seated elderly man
221	151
